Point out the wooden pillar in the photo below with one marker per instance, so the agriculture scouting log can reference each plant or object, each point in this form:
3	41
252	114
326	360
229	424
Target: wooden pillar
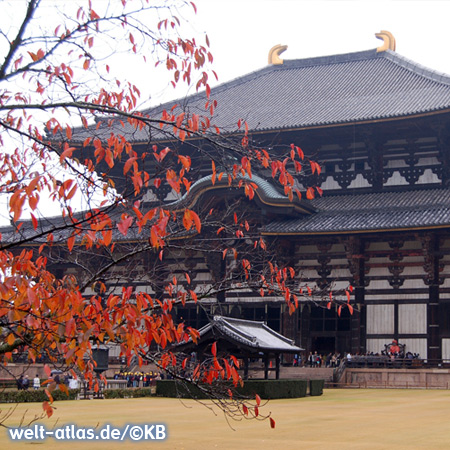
266	367
430	247
355	252
277	365
246	368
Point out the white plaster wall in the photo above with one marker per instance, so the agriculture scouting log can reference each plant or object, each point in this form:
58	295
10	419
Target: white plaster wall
380	319
412	319
396	180
416	346
359	182
428	177
376	345
446	350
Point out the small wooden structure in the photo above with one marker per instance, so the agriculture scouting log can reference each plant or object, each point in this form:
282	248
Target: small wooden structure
245	339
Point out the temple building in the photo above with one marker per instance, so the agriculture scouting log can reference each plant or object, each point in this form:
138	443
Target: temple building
379	125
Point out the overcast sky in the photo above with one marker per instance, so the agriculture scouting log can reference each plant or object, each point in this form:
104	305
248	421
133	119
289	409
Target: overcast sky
242	32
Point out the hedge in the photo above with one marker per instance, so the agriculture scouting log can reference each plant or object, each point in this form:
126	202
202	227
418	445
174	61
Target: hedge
36	396
273	389
266	389
316	387
128	393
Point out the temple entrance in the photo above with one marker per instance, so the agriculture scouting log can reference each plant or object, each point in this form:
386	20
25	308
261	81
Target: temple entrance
324	344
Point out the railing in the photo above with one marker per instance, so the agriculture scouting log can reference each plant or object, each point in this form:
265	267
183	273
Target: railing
370	384
383	362
338	372
365	362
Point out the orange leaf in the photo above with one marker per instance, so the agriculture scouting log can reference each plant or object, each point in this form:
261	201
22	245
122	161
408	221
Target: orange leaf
47	370
71	242
258	399
214	349
128	165
124	225
48	409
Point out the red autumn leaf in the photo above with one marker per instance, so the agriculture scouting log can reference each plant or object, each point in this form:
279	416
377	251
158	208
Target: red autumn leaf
258	399
128	165
47	370
71	242
310	193
214	349
48	409
125	224
272	423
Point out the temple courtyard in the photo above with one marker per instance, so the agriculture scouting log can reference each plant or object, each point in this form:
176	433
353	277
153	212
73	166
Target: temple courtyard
340	419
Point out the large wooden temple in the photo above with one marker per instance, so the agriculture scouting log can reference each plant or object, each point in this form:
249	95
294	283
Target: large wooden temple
379	124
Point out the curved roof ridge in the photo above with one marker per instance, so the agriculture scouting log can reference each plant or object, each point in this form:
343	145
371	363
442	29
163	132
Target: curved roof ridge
409	64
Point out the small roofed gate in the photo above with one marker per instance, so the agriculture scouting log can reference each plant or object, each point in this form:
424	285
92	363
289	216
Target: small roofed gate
245	339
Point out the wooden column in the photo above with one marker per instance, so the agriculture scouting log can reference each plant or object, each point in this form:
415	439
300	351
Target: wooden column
266	367
245	368
430	247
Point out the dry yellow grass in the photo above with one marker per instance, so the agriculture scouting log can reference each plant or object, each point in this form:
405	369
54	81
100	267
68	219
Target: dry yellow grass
340	419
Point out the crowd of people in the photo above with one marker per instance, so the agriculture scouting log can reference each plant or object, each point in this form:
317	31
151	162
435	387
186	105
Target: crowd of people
315	359
392	352
24	383
138	379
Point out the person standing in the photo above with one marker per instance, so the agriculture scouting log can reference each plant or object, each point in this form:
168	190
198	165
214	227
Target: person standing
36	382
26	383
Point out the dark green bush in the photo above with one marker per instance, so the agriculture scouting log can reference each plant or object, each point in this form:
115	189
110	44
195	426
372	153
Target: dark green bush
266	389
272	389
11	384
169	388
128	393
35	396
316	387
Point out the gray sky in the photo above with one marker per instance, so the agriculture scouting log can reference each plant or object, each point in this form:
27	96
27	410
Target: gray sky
242	32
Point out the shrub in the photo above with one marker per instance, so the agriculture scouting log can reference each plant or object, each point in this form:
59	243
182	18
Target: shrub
128	393
267	389
35	396
316	387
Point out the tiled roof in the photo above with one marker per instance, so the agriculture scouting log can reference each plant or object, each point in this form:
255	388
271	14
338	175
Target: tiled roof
265	191
371	212
248	333
336	89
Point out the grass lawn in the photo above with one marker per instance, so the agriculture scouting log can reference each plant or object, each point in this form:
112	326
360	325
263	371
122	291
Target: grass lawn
340	419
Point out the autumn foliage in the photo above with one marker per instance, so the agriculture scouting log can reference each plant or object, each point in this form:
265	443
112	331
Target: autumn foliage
57	92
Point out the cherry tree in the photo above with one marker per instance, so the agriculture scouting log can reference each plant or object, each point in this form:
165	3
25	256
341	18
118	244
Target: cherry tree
68	120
